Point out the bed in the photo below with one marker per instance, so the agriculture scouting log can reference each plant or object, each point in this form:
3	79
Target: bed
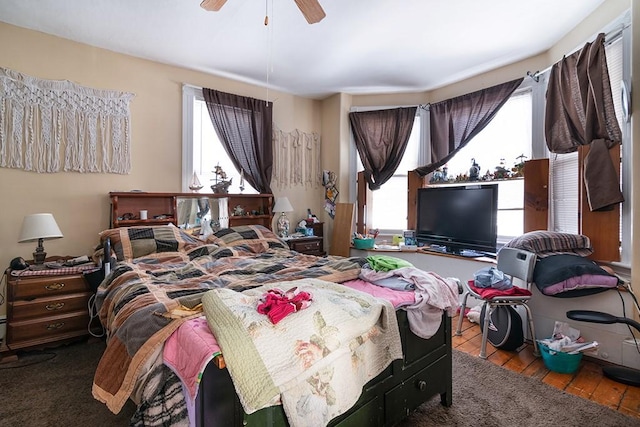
162	295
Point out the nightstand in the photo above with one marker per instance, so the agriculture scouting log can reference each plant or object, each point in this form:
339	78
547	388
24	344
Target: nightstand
311	245
45	309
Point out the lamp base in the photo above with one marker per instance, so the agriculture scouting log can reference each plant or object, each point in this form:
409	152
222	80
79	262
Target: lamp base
39	255
283	225
622	375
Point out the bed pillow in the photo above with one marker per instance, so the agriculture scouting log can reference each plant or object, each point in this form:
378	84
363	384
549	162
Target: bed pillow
566	275
133	242
246	235
546	243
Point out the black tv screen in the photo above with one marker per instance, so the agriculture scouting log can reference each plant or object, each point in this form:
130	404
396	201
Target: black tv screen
458	218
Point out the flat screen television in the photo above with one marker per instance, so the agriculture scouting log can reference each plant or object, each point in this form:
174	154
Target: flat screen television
459	219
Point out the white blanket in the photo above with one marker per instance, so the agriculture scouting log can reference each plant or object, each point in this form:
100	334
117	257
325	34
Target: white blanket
314	361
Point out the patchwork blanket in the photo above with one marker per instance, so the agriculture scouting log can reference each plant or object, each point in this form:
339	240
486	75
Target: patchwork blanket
145	300
314	361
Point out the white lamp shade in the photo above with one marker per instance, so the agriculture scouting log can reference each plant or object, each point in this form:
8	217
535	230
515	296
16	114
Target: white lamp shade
39	226
282	205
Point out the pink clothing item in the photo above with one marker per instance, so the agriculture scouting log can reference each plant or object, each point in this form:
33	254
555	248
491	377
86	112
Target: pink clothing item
278	304
397	298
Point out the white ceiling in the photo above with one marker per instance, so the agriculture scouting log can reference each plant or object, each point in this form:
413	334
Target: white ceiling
361	47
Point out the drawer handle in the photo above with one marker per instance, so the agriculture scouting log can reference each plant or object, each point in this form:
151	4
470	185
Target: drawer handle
53	326
54	286
56	306
422	385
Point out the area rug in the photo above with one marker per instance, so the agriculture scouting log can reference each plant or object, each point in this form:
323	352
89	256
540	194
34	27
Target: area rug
56	391
488	395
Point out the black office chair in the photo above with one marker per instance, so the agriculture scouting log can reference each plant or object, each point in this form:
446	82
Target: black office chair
621	374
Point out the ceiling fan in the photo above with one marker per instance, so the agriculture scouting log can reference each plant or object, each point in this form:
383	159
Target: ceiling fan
311	9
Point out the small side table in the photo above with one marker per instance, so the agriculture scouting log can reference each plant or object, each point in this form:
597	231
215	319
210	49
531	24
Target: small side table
45	309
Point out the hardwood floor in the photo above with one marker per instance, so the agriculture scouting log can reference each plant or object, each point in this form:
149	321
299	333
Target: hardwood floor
588	382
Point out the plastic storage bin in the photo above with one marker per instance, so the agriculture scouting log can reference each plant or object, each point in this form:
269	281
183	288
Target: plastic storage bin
557	361
363	243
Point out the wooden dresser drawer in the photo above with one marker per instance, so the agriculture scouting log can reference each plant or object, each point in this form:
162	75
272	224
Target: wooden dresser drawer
33	287
306	245
49	306
48	328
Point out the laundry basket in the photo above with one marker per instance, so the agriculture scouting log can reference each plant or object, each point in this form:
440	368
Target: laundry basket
558	361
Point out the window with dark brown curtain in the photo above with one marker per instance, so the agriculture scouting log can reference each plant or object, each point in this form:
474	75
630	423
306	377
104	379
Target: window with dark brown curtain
381	138
454	122
244	126
580	111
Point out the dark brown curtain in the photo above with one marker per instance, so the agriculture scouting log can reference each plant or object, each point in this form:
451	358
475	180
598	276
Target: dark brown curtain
381	138
579	111
244	125
454	122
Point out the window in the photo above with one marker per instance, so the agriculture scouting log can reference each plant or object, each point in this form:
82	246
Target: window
563	168
202	151
505	141
393	193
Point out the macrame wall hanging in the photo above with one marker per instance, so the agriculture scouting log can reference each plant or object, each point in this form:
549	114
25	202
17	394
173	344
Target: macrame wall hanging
56	125
297	159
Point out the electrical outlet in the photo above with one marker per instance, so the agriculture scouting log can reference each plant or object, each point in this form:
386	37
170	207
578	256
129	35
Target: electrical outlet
631	353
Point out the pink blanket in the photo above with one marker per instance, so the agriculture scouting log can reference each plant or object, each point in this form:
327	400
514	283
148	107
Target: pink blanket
397	298
188	350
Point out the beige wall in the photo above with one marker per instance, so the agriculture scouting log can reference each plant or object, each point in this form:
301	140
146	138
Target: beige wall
80	202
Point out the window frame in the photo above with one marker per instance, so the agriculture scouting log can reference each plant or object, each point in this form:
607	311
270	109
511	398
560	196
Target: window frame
189	94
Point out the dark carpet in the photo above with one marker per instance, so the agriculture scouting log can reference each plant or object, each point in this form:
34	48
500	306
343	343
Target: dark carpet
53	388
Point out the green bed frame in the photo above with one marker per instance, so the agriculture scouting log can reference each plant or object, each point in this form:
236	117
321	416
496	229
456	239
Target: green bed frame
424	372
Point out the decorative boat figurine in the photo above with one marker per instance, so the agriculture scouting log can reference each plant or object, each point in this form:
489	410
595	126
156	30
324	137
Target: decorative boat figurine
221	184
195	185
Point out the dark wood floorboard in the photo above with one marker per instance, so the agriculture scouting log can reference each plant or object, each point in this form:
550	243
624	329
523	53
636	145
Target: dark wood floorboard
587	382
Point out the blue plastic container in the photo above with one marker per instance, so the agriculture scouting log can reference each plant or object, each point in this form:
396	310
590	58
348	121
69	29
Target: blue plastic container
557	361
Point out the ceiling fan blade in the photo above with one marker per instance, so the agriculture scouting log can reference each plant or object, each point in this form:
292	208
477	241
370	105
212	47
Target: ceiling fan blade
212	5
311	10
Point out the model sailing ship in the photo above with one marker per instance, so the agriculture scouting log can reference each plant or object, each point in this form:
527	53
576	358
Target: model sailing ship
221	184
195	185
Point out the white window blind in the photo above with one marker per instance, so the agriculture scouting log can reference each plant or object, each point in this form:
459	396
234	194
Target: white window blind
564	192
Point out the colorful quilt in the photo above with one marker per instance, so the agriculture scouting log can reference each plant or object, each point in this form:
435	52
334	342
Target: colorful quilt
314	361
143	301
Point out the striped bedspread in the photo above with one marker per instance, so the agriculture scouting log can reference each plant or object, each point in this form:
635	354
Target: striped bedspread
142	302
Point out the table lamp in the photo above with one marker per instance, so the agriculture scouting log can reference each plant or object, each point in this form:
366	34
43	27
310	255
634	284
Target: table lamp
282	205
39	227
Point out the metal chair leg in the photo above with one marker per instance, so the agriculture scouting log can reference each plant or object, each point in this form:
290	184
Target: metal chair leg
463	307
532	331
485	329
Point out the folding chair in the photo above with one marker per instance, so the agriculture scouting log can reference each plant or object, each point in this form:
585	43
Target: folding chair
517	264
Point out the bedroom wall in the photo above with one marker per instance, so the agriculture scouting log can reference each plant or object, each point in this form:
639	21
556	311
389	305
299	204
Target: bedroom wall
80	202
